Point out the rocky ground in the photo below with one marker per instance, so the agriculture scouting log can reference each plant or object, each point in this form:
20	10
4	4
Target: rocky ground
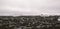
29	22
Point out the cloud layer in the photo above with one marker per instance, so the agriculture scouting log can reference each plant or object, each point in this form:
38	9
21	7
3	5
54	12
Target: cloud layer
29	7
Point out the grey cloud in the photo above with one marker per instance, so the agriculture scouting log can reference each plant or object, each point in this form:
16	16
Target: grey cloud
29	7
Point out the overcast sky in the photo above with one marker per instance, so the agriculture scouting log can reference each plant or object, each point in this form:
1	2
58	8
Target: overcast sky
29	7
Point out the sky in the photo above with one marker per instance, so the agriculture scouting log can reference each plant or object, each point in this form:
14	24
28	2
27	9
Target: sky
29	7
